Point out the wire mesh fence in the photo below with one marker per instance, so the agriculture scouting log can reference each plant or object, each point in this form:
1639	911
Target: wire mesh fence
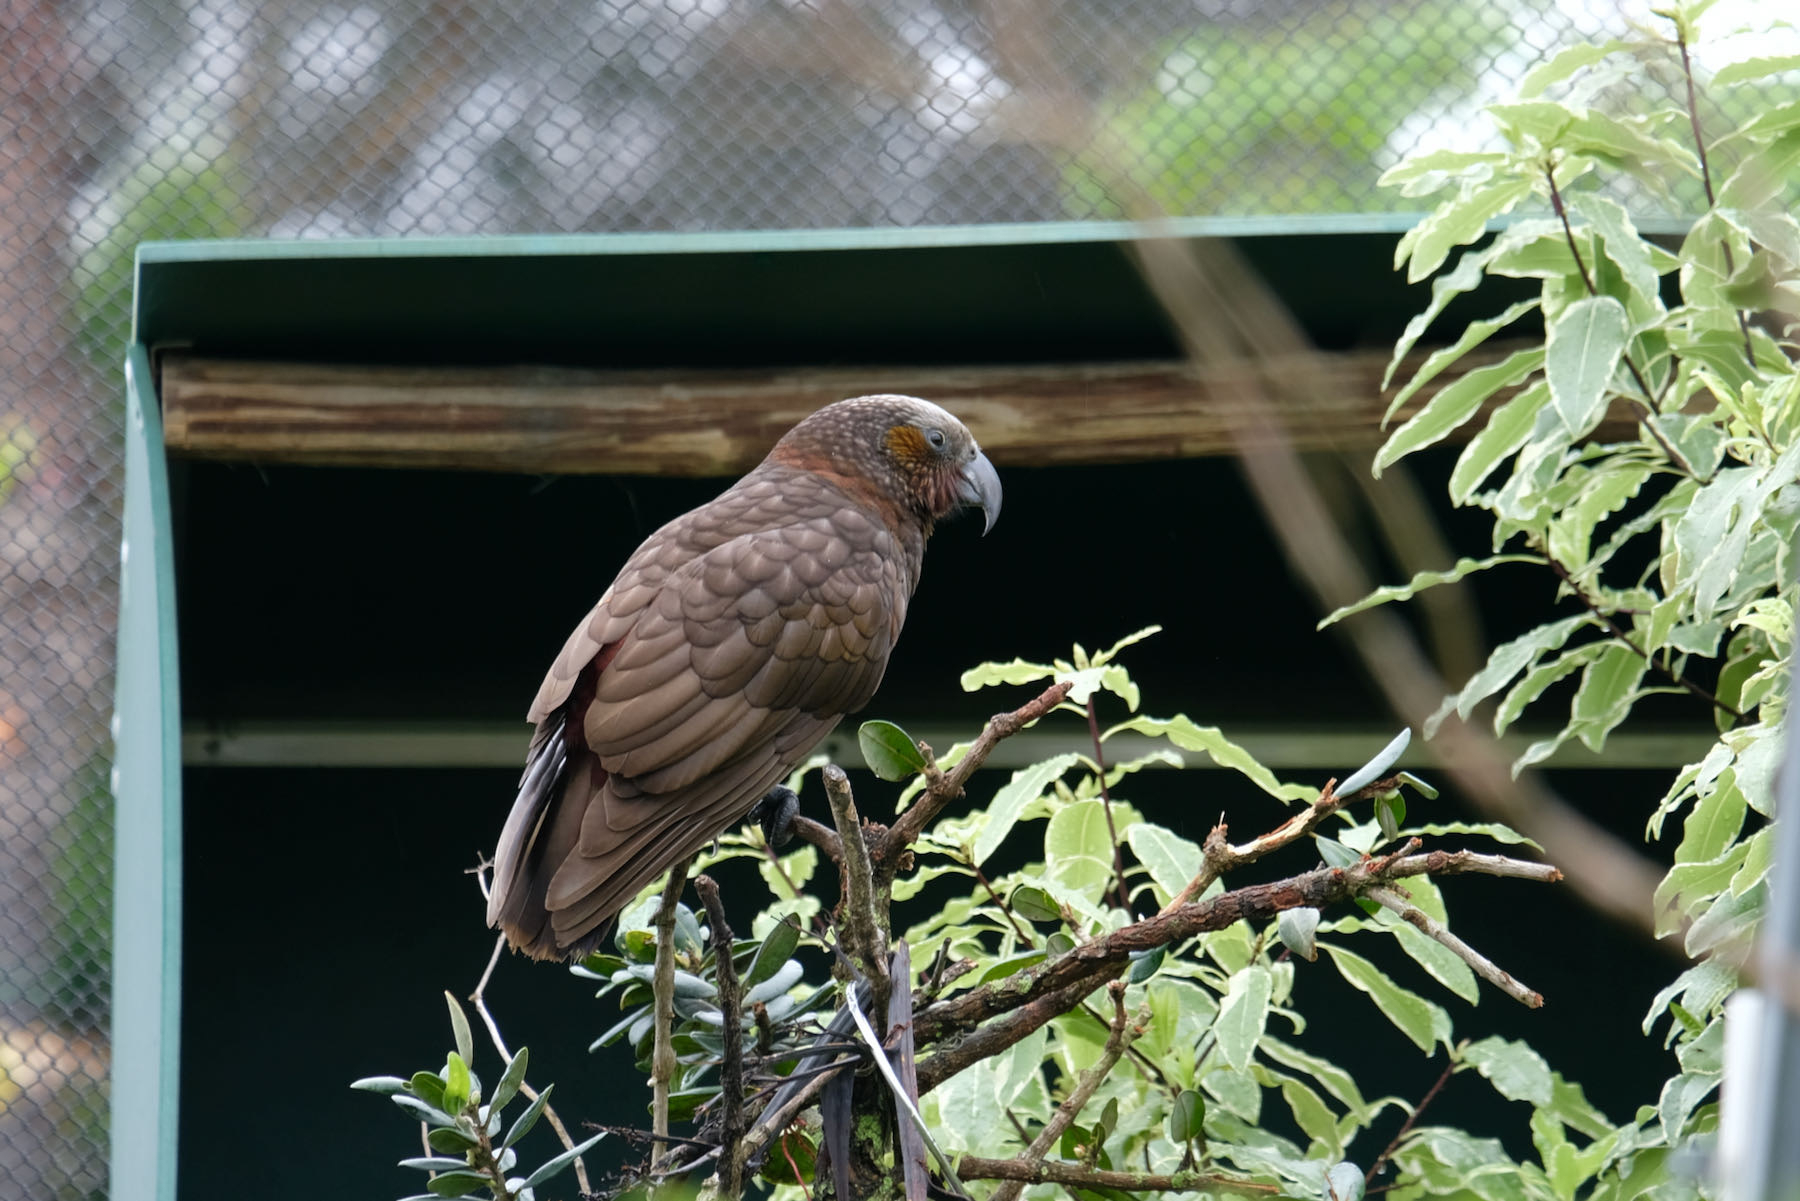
135	119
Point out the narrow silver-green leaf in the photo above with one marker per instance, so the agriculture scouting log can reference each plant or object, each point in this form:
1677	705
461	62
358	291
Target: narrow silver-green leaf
562	1161
459	1025
1581	353
510	1080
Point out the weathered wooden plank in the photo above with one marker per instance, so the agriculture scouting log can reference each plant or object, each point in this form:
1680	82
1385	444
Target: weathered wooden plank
683	422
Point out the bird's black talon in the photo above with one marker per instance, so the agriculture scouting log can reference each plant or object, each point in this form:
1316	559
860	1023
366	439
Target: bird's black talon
775	813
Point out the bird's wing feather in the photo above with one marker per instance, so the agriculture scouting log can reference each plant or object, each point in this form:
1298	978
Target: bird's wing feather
723	665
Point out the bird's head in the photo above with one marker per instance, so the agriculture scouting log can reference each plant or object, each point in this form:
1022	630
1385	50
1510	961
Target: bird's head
913	451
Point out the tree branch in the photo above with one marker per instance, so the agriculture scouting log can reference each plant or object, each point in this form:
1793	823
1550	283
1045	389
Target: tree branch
731	1069
1036	995
1119	1039
478	998
1431	928
974	1167
662	1055
864	932
943	787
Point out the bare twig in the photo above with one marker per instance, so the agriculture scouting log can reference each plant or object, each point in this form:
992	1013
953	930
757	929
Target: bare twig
731	1069
864	935
1693	108
1433	929
974	1167
1221	856
1120	1036
662	1055
1112	831
1387	1152
478	998
944	787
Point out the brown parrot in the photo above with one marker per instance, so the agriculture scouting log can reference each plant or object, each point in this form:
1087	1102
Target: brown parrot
729	646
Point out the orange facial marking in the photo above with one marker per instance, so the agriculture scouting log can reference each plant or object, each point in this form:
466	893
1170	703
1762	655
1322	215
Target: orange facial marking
908	444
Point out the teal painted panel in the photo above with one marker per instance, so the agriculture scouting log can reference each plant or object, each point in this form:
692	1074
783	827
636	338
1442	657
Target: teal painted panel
147	795
965	296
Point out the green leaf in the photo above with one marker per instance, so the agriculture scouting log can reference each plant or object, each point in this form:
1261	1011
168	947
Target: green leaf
1171	859
889	751
1507	429
459	1024
1421	581
1464	277
1420	1020
510	1080
1534	682
1456	402
1608	688
385	1085
1186	1116
1371	771
1016	672
1507	660
1761	175
435	1163
1311	1114
1184	733
1629	252
774	951
458	1184
1343	1182
524	1122
1493	830
1582	351
450	1141
1299	929
1003	968
1473	335
1078	849
1025	786
456	1084
1145	964
1755	68
1567	62
562	1161
1679	1097
1242	1015
1424	247
1542	121
1439	961
1516	1071
1034	904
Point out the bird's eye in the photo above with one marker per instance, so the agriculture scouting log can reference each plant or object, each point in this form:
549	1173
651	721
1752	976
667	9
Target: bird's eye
935	436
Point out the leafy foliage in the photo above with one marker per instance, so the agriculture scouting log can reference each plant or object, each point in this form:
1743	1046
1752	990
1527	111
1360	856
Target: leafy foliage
1672	548
472	1156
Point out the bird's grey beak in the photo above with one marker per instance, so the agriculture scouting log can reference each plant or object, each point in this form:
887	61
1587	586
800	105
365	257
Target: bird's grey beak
978	485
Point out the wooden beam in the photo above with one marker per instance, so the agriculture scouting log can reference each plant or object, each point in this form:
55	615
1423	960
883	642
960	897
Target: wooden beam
685	422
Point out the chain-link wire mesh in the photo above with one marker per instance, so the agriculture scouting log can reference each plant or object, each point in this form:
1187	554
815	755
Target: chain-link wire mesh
132	119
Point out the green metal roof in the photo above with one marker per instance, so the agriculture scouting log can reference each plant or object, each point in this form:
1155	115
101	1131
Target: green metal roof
950	294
